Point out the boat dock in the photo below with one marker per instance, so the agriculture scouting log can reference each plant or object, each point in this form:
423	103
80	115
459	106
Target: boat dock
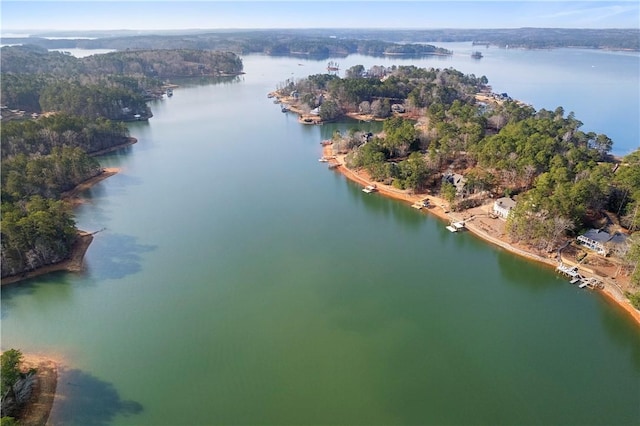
421	204
369	189
577	278
456	226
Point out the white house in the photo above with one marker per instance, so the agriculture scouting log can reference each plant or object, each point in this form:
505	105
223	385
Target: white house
595	239
502	207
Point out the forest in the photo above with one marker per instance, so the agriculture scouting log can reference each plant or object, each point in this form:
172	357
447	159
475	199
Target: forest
40	160
341	41
79	108
115	85
562	177
269	42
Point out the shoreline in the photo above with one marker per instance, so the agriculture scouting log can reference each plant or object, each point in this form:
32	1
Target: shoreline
610	292
75	261
37	410
41	390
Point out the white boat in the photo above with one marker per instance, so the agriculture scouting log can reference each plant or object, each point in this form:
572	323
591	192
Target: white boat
421	204
369	189
451	228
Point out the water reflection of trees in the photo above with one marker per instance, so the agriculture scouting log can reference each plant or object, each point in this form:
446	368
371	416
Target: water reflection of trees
120	255
83	399
28	288
517	271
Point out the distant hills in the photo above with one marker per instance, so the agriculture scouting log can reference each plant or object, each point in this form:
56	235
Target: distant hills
327	41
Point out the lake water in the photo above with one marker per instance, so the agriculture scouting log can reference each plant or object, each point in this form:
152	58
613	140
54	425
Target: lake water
238	281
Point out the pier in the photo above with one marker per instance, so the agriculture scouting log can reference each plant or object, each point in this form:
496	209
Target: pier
456	226
577	278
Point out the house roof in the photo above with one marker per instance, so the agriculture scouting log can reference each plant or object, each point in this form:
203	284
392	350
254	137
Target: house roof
618	238
597	235
455	178
505	202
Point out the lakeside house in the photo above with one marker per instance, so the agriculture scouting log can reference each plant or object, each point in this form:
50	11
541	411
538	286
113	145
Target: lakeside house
398	108
456	180
601	241
502	207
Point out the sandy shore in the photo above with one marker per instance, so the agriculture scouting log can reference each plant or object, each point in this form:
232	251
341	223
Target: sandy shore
476	221
76	261
73	196
37	409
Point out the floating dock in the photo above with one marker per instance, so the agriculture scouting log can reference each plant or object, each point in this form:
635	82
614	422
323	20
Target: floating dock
456	226
576	278
369	189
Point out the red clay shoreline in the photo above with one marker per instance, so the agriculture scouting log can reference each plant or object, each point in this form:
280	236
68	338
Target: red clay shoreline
610	291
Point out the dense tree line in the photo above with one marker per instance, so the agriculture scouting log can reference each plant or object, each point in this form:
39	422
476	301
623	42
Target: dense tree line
561	174
345	41
115	97
275	43
40	137
40	160
30	59
115	103
43	158
35	233
113	85
375	90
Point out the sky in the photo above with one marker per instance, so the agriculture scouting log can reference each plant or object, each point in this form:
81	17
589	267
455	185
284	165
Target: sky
244	14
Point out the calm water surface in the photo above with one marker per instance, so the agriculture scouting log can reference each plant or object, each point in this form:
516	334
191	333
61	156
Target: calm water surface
238	281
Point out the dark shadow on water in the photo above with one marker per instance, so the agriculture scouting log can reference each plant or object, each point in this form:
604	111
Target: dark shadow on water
203	81
29	287
398	210
116	256
82	399
620	327
528	273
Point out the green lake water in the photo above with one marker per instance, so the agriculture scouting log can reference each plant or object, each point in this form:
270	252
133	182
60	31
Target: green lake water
238	281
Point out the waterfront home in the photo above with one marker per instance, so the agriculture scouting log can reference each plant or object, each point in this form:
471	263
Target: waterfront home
399	108
456	180
595	239
502	207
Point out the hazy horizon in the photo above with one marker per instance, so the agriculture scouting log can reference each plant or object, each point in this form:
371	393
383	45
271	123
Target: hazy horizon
73	16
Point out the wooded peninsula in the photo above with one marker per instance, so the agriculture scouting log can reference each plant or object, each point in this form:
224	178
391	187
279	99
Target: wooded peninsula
445	133
58	112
